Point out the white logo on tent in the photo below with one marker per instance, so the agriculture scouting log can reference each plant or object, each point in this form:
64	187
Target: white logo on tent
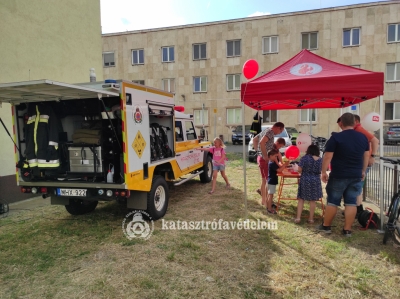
305	69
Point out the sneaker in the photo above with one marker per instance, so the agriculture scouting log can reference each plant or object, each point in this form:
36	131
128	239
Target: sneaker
323	228
346	233
258	191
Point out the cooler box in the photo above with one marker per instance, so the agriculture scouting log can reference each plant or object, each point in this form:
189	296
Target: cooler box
85	159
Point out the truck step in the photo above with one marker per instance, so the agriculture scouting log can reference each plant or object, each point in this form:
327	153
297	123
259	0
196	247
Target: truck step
188	178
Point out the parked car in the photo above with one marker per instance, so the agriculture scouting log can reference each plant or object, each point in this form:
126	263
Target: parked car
293	134
391	135
253	153
237	136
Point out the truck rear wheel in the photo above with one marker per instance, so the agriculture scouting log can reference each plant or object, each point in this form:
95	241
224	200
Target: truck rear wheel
80	206
157	198
206	175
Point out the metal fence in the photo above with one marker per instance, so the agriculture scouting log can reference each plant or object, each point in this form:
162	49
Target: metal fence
390	183
390	151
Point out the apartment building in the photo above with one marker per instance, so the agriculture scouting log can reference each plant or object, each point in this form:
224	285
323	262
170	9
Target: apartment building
202	63
57	40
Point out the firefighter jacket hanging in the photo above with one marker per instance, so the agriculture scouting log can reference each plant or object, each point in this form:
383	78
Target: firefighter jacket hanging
41	135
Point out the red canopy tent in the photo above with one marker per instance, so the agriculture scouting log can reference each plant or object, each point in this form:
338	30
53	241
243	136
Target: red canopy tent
309	81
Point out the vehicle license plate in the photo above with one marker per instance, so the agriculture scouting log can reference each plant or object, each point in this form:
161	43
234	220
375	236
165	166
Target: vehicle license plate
71	192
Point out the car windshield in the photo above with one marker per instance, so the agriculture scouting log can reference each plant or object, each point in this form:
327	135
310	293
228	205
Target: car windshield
239	129
291	130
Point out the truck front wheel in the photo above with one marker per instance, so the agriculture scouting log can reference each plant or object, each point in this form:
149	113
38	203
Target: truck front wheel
80	206
157	198
206	175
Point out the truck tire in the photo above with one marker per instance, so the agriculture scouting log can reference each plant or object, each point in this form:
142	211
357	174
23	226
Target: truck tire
157	198
80	206
206	175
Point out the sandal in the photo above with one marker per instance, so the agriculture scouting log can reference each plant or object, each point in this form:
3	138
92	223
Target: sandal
228	186
210	192
297	220
310	221
271	212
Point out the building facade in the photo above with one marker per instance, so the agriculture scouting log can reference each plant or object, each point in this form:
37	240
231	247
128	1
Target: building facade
56	40
202	63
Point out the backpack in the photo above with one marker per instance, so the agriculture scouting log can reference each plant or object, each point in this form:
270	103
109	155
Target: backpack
368	221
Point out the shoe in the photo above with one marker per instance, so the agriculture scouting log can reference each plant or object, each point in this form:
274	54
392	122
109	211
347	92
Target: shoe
346	233
297	220
274	206
323	228
210	192
258	191
310	221
271	211
228	186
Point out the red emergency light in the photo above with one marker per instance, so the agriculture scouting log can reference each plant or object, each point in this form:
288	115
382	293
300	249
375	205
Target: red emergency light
179	108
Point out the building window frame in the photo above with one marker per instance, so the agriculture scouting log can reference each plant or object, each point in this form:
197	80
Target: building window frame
392	111
396	27
141	82
201	51
310	45
200	116
137	56
233	82
235	45
305	115
393	72
236	118
168	54
200	84
168	84
110	62
269	116
267	40
351	34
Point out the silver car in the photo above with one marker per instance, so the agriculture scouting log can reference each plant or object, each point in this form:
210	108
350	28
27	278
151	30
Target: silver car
253	152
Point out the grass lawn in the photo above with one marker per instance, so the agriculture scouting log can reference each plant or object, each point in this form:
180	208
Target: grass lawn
47	253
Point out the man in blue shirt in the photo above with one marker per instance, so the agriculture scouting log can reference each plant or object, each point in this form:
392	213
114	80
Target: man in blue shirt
348	154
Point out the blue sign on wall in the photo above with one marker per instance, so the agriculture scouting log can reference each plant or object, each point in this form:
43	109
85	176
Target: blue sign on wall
354	108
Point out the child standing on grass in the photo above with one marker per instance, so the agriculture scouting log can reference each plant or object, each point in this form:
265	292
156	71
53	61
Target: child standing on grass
219	157
310	188
274	166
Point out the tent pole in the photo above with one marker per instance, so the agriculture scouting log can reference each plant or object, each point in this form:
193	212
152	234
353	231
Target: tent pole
381	153
244	162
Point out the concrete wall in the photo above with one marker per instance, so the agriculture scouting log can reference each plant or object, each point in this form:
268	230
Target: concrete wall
54	39
373	54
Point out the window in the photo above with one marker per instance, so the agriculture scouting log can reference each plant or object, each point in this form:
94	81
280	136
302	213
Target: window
168	85
307	115
199	51
200	84
270	44
233	116
108	59
233	82
351	37
200	117
190	131
233	48
393	72
138	56
393	33
138	81
270	116
392	111
168	54
309	40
